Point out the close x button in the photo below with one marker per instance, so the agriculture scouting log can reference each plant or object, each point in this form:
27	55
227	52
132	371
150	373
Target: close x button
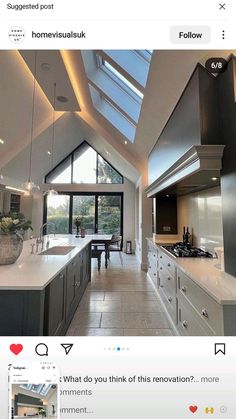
222	6
190	34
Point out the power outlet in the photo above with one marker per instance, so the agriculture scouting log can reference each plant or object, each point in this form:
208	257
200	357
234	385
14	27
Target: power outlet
166	228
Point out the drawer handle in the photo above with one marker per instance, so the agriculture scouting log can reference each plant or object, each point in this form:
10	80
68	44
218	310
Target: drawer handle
161	286
154	273
160	268
149	267
160	257
204	313
169	299
169	278
168	264
183	289
185	324
61	276
154	255
77	284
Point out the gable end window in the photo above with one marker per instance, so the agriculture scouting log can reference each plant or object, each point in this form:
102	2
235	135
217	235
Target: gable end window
84	165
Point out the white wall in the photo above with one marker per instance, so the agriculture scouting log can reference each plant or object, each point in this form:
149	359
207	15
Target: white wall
202	212
52	400
1	201
144	221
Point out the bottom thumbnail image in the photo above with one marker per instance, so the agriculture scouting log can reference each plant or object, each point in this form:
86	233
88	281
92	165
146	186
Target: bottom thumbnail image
34	401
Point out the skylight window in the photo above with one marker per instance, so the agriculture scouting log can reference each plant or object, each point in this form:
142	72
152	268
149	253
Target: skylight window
117	81
41	389
146	54
123	79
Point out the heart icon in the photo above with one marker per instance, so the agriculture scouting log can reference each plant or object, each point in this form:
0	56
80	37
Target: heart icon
16	348
193	409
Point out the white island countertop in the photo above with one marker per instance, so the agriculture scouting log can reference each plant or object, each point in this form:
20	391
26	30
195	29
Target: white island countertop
206	273
34	271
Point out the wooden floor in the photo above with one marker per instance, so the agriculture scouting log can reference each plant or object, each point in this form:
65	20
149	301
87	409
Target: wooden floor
120	301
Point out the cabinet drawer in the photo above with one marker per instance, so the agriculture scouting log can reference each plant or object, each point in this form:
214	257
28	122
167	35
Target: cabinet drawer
189	321
154	276
168	263
153	251
153	262
167	281
209	310
170	303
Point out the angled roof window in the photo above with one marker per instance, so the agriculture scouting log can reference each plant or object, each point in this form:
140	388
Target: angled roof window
40	389
117	81
123	79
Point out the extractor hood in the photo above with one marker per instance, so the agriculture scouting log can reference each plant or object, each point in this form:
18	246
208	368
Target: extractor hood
199	168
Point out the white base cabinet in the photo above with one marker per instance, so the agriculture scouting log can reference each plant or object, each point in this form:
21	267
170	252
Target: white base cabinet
192	311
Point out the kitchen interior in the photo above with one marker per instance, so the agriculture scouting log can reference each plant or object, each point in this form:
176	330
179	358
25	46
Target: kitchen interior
136	144
34	401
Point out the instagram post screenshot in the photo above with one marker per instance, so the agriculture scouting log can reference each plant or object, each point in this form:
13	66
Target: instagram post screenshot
117	209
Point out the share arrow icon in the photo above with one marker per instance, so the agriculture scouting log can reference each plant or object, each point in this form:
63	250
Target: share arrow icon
67	347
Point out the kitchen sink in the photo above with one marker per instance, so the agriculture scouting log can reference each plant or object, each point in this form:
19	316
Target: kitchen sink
58	250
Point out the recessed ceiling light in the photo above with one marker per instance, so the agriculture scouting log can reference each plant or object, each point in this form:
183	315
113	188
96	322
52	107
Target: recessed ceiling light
214	178
49	153
126	142
45	67
1	141
167	196
62	99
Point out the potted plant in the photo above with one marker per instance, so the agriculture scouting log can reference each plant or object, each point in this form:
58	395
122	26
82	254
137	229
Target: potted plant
77	223
12	228
42	412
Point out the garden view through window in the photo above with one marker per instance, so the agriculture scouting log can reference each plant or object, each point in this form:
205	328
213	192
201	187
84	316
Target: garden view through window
99	213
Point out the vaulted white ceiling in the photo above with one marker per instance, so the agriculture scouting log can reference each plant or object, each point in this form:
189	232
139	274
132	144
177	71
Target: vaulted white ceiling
78	119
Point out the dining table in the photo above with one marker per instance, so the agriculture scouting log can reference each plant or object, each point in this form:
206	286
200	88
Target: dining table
102	240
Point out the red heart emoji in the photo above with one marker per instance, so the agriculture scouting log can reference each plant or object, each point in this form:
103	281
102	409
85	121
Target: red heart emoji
193	409
16	348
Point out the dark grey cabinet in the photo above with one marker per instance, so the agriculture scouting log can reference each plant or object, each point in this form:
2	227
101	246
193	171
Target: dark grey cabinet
21	313
74	290
194	121
227	100
55	305
47	312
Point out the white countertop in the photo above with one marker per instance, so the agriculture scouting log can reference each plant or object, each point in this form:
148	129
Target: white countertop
35	272
219	285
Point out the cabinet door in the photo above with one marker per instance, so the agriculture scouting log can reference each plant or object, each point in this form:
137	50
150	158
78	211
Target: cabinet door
86	265
55	305
70	287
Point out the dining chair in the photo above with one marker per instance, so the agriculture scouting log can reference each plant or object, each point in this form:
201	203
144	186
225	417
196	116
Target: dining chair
114	245
96	253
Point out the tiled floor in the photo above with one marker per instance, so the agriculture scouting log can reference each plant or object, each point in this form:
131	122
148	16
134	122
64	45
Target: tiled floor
120	301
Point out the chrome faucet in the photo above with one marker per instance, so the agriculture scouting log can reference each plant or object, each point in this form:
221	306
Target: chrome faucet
44	225
40	239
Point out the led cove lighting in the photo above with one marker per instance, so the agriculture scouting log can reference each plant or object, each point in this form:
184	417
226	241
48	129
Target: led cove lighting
11	188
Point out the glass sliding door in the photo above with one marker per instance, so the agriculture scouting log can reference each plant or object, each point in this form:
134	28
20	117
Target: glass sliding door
58	213
109	214
84	208
100	213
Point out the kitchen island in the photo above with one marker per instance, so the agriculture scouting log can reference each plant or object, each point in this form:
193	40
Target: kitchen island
40	293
